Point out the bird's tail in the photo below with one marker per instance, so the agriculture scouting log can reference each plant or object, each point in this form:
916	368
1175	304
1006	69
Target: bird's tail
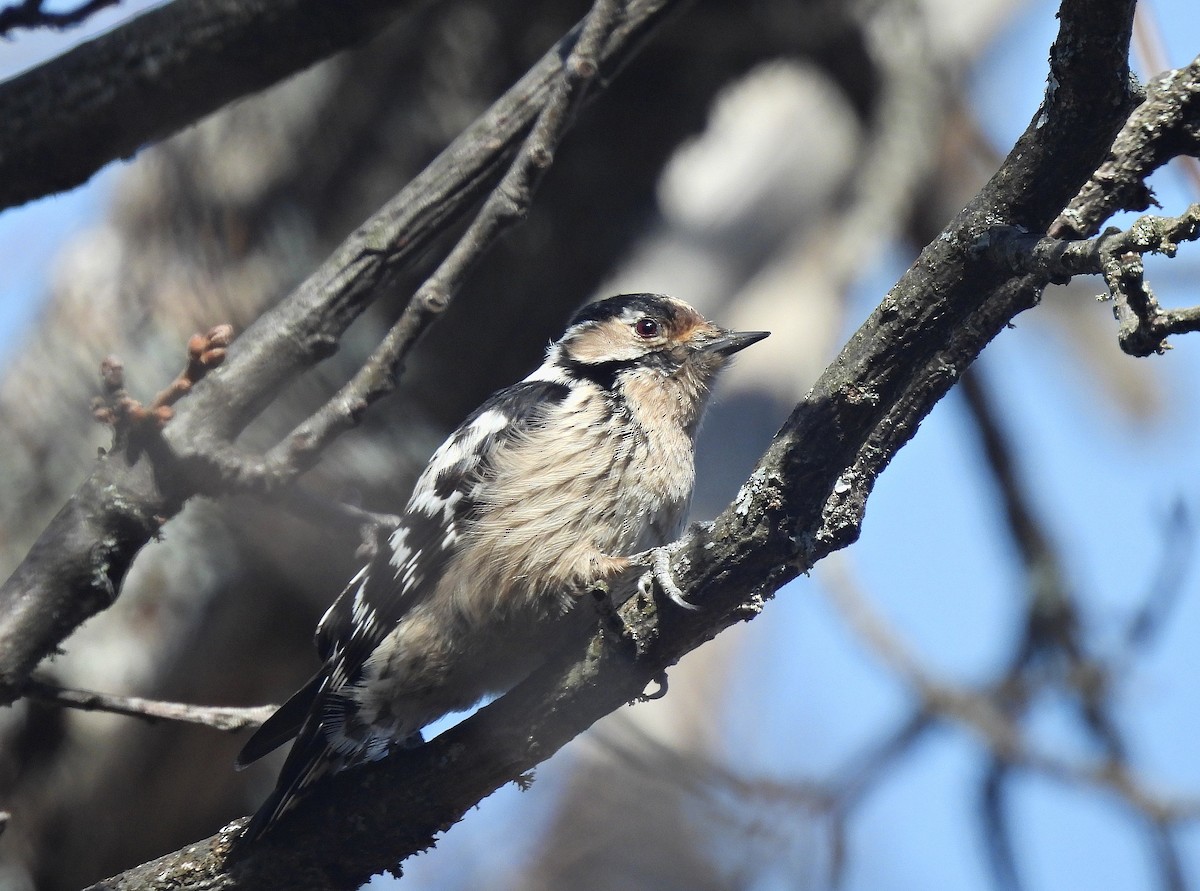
310	759
284	724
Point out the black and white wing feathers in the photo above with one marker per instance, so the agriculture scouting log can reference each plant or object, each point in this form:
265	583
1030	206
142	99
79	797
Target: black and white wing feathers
439	513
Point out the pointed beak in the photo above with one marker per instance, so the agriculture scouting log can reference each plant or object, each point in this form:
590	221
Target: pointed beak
733	341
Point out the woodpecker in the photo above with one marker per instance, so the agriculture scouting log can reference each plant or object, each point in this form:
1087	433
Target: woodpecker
546	490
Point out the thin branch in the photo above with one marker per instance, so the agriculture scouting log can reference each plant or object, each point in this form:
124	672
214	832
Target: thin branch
227	718
1058	260
980	711
29	14
1053	627
124	413
1143	325
1150	47
1168	859
165	69
1053	634
326	512
1163	593
998	834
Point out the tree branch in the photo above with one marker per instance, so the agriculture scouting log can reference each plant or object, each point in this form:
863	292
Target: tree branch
219	717
1116	255
1164	126
167	68
980	711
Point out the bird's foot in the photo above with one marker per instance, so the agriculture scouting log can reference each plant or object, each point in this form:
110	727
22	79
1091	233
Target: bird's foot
659	562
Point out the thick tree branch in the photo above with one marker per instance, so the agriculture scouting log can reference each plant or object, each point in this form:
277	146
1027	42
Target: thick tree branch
76	567
803	501
166	69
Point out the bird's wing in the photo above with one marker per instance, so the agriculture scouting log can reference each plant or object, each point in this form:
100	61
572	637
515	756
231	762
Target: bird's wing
431	530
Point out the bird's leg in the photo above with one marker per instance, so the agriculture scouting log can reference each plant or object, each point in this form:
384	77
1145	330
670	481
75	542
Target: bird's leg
606	610
659	562
605	569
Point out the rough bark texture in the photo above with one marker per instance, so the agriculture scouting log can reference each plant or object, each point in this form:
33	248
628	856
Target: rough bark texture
66	576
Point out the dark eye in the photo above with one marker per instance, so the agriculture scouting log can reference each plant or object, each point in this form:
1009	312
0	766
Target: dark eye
646	327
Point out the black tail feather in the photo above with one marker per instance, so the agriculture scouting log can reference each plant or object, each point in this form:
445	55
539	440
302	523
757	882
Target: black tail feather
284	724
310	759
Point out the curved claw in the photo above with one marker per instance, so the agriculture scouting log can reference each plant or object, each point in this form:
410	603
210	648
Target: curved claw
661	569
661	680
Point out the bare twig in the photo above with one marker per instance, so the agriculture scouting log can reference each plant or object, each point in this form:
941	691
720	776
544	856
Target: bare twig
1163	593
205	352
1169	860
30	14
372	527
121	411
1143	325
1053	628
227	718
998	831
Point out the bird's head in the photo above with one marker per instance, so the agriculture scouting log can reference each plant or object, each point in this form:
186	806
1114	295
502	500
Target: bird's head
647	335
656	355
